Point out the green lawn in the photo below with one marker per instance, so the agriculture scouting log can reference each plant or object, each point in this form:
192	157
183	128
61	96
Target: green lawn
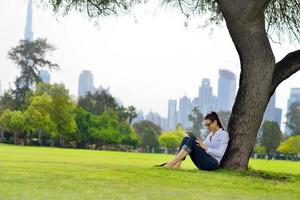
54	173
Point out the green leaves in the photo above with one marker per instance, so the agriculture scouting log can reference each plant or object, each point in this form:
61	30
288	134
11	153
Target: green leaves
290	146
172	139
283	16
271	136
293	118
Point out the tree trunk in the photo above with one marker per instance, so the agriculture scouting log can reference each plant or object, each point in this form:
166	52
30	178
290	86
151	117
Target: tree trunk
15	136
40	137
26	139
30	138
61	141
1	135
257	67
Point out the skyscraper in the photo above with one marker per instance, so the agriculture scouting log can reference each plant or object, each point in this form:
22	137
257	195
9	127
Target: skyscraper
184	111
28	28
272	113
294	97
154	117
86	83
139	117
207	101
163	123
195	103
45	76
28	35
226	90
172	117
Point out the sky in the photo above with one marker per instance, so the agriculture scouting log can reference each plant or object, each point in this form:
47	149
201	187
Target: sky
145	58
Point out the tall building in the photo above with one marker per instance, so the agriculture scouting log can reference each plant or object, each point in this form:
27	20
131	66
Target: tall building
86	83
195	103
28	35
207	101
294	97
172	117
154	117
28	28
226	90
45	76
184	111
139	117
163	123
272	113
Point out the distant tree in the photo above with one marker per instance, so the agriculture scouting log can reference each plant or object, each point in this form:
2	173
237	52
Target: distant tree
293	118
172	139
290	146
38	117
97	102
130	137
196	118
102	129
100	102
131	113
7	101
83	120
12	121
260	150
271	137
30	57
61	110
105	128
127	114
148	132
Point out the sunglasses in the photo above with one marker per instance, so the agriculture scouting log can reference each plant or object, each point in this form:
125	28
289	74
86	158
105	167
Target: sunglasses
208	124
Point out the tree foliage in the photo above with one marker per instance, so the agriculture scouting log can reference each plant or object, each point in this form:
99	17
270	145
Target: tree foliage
293	118
290	146
61	109
148	133
38	117
196	118
30	57
271	137
172	139
14	122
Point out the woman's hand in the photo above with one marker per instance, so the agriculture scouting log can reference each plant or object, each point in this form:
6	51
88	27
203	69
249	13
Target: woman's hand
201	144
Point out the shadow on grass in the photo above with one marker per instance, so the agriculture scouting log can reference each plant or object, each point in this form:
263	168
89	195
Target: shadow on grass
260	174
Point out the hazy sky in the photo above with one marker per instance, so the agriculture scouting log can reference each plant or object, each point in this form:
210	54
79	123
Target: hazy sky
145	58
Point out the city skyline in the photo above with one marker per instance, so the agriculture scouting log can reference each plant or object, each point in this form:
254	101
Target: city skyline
148	40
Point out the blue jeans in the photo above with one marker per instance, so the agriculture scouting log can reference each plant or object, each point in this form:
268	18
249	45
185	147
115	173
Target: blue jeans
198	155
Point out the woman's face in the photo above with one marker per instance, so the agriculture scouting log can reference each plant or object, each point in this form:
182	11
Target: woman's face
210	125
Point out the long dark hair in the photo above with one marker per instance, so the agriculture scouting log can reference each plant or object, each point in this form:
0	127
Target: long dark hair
214	116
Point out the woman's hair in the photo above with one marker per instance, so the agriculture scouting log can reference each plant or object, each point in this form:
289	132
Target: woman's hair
214	116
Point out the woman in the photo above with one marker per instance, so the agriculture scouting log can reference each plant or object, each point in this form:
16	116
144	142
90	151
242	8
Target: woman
207	154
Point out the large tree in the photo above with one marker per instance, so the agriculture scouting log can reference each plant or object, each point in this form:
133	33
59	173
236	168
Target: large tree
248	22
30	57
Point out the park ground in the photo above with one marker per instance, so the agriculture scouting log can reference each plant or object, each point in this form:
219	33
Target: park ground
55	173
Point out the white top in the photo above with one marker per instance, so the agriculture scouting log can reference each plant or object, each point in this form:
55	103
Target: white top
216	146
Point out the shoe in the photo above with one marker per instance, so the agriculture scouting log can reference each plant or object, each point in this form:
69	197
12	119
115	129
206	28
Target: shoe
161	165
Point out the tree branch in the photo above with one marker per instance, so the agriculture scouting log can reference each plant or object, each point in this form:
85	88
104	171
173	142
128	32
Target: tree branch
289	65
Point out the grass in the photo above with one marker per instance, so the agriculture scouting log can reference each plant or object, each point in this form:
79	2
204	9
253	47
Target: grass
54	173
